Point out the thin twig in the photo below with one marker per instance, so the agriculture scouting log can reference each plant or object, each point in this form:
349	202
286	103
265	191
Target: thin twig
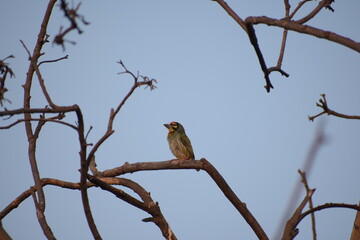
326	110
316	10
55	60
146	81
328	205
39	119
311	206
300	4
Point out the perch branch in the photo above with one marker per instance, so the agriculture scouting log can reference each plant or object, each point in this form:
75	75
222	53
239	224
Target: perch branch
196	164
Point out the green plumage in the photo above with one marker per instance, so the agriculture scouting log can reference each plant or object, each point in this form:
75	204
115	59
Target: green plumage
179	143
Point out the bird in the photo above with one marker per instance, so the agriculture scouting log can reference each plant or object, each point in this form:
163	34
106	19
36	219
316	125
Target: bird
179	143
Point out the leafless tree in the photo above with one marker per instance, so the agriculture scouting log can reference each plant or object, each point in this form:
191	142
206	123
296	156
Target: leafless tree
108	180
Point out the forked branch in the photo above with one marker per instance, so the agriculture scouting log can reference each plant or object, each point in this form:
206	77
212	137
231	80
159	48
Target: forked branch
326	110
196	164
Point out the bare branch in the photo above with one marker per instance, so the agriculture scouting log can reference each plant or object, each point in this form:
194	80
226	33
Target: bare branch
39	119
323	104
311	206
146	81
300	4
290	230
41	217
148	205
297	27
308	164
355	234
321	5
55	60
328	205
27	96
193	164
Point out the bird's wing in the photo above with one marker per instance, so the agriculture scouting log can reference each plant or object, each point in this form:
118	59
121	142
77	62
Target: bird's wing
186	142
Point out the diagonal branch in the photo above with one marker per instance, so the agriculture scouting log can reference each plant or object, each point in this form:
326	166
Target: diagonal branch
311	206
316	10
148	205
147	82
290	230
195	164
41	216
40	78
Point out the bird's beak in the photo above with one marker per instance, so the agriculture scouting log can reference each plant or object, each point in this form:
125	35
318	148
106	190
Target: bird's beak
168	126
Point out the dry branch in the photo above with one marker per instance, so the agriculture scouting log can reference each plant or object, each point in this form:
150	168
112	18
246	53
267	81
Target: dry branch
290	230
311	206
355	234
195	164
287	24
300	28
39	200
326	110
148	205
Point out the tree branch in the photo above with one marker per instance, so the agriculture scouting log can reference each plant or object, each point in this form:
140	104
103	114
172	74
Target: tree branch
311	206
355	234
41	217
316	10
148	205
297	27
326	110
194	164
290	230
32	138
328	205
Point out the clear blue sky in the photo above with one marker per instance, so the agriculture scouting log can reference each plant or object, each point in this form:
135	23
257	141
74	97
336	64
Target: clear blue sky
209	79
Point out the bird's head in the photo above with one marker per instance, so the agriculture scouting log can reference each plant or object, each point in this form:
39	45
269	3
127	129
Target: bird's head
175	127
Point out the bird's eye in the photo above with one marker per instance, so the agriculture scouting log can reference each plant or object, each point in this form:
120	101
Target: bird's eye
174	124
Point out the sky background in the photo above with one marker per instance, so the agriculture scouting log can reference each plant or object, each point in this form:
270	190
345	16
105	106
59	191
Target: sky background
209	79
